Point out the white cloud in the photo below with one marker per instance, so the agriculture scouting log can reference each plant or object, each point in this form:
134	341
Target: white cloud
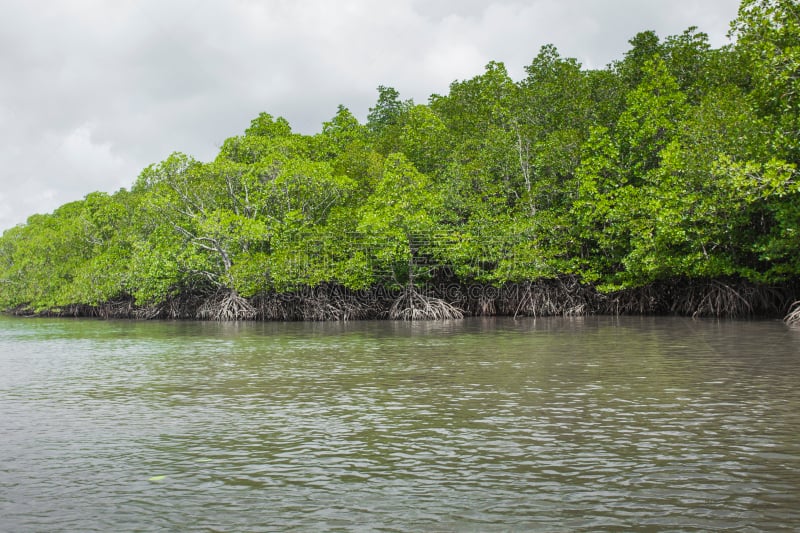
94	161
40	176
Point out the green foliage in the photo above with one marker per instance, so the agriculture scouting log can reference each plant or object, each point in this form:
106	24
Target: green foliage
385	121
403	209
687	57
645	47
651	119
552	118
341	132
768	37
425	140
264	125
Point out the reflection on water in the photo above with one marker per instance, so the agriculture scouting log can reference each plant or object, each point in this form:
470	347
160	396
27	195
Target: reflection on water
581	424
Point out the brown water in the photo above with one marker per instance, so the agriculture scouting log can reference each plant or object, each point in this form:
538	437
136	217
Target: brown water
592	424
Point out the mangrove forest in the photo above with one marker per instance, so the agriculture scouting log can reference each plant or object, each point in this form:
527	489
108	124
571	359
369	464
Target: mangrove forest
664	183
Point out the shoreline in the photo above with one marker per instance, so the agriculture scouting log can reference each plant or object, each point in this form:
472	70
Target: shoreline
565	296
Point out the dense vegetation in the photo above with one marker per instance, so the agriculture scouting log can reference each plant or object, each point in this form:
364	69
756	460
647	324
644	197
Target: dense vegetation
666	182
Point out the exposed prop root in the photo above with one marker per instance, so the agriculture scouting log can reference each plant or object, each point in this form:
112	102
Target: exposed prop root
22	310
116	309
727	299
793	318
474	300
323	309
638	301
558	297
335	303
564	296
226	305
485	306
75	310
322	303
181	306
414	305
148	312
270	306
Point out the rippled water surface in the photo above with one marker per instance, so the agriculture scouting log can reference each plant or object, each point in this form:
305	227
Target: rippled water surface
587	424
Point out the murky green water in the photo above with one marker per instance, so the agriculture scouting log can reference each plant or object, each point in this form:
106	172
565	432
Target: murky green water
587	424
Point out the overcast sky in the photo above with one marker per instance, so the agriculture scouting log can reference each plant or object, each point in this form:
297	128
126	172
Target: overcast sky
93	91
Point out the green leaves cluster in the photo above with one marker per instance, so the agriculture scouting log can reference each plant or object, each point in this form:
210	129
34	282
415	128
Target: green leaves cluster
677	161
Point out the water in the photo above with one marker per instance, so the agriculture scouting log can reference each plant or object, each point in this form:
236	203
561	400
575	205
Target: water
592	424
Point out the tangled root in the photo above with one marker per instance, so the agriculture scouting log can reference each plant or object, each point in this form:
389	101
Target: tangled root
414	305
271	306
180	306
226	305
793	318
148	312
335	303
565	297
729	299
116	309
636	301
485	306
322	303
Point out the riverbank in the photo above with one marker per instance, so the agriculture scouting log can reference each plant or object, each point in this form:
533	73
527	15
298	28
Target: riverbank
565	296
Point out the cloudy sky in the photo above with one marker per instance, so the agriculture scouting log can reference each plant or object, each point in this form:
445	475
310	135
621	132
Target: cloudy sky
92	91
